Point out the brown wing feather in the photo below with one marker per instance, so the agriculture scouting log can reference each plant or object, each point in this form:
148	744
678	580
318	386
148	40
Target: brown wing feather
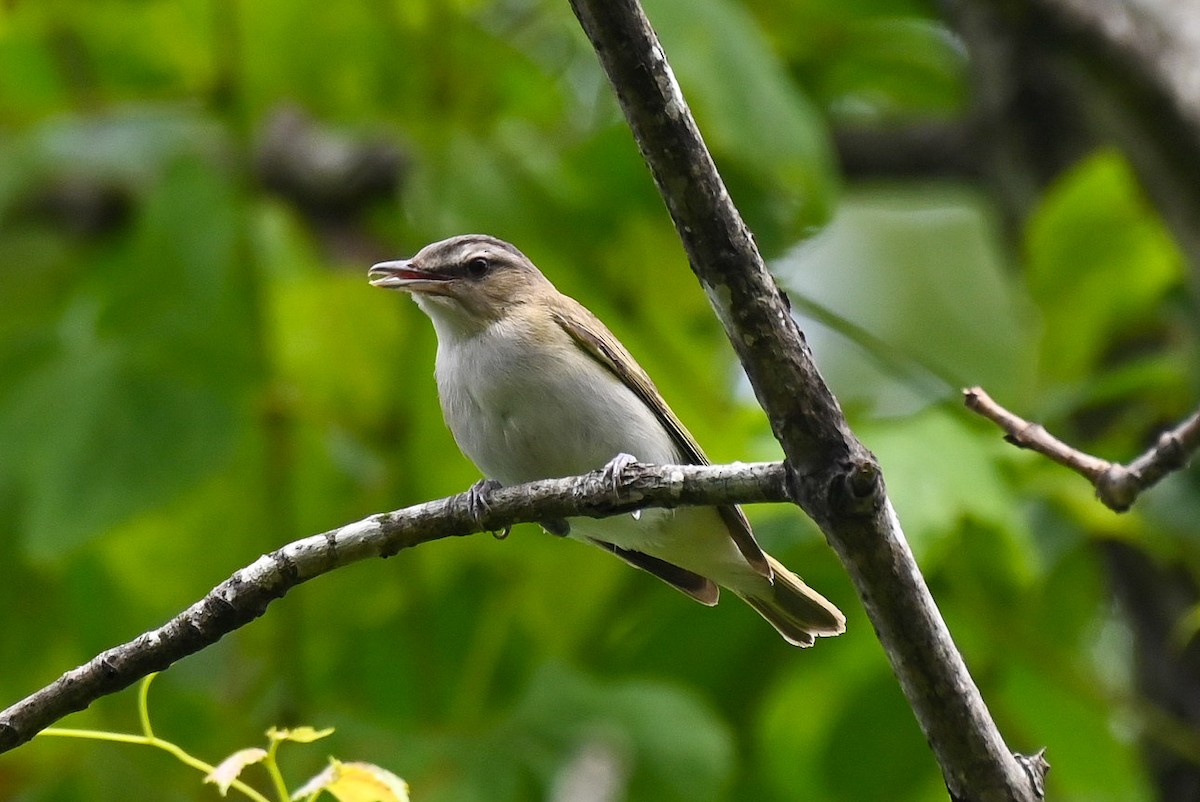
599	343
700	588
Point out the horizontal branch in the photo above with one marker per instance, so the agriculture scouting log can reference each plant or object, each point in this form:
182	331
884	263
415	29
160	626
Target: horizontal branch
1117	486
245	596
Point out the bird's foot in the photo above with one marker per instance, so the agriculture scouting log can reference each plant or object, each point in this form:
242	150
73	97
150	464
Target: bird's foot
614	470
478	506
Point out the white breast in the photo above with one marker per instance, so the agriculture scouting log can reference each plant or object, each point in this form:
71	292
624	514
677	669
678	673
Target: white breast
522	413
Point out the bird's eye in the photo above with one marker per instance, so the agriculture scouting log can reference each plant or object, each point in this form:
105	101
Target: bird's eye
477	267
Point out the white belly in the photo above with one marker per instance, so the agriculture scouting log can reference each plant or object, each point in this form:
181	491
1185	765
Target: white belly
526	415
522	414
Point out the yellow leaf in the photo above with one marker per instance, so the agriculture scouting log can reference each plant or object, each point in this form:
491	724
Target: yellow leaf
228	769
300	735
356	782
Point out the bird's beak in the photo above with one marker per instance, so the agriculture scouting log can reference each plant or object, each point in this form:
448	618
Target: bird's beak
402	274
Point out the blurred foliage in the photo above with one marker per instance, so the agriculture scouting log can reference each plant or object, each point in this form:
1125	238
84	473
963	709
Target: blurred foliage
193	371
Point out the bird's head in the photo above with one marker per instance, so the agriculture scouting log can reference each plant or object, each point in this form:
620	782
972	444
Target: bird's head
467	282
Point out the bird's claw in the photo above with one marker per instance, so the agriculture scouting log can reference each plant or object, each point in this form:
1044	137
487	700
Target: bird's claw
614	470
478	506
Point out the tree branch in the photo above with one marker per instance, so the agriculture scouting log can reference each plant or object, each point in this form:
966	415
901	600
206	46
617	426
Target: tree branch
835	478
245	596
1117	486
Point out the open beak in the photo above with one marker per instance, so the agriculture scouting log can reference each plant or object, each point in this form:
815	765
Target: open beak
403	275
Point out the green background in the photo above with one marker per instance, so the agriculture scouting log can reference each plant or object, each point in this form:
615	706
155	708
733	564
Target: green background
201	373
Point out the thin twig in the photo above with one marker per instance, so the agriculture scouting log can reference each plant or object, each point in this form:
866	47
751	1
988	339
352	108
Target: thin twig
1117	486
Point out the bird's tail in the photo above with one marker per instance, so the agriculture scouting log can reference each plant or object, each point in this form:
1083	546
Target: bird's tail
799	613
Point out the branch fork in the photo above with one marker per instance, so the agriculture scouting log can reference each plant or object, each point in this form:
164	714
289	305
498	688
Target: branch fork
1117	486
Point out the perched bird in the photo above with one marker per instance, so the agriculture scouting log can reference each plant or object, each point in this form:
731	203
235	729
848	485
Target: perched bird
534	386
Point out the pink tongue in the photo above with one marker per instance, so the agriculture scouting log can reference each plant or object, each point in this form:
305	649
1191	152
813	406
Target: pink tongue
413	274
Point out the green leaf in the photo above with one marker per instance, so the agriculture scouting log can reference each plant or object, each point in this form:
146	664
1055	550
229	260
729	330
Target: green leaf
138	390
130	147
1093	751
676	748
940	474
30	83
905	299
95	438
874	748
337	343
1100	261
766	136
890	67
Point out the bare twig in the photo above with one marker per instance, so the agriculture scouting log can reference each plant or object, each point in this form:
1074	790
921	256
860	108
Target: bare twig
244	596
1023	434
835	478
1117	486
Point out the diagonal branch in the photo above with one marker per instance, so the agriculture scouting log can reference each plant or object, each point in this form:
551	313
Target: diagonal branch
835	478
1117	486
244	596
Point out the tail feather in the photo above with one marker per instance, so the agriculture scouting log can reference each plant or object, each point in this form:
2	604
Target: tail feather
798	613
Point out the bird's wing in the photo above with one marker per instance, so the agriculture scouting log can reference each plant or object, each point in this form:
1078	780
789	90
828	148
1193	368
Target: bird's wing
599	343
700	588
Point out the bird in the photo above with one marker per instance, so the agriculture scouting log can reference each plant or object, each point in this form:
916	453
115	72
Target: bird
532	385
